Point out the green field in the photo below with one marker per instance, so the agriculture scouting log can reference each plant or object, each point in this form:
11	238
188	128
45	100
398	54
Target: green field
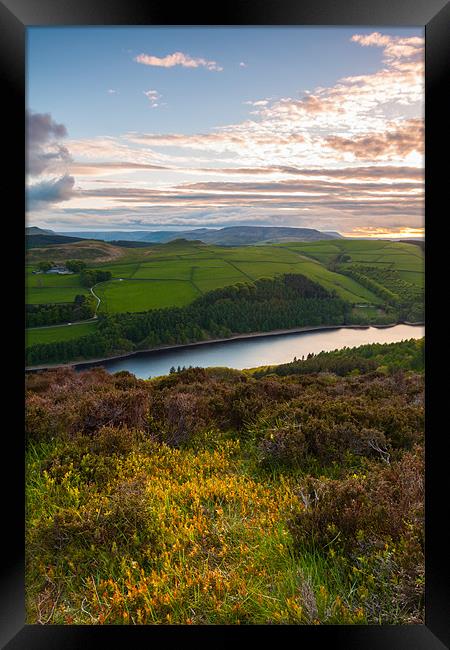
58	333
175	274
407	259
42	280
141	295
55	294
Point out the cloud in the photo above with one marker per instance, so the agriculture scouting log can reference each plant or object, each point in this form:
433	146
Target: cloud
403	139
43	148
364	200
177	58
45	155
41	128
224	139
344	157
389	172
111	91
395	48
242	64
259	102
56	190
323	217
95	168
368	109
153	97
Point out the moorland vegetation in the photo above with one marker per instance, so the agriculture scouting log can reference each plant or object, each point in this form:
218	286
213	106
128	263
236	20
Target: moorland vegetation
214	496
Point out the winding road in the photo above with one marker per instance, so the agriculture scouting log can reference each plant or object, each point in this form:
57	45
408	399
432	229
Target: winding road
77	322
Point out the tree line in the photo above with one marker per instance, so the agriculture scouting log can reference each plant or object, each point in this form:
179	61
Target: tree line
381	357
405	297
81	308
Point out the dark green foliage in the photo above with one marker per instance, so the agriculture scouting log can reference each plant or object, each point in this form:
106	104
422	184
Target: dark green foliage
386	283
75	265
82	308
407	355
89	277
45	266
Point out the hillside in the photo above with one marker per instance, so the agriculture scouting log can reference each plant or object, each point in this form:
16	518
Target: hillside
41	241
380	282
71	248
34	230
212	497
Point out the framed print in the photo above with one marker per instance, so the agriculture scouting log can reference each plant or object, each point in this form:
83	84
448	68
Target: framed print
227	416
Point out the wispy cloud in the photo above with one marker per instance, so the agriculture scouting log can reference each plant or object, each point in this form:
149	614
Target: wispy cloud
98	168
177	58
395	48
258	102
400	139
153	97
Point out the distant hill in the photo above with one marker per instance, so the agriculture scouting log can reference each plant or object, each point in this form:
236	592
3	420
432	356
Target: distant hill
80	249
34	230
228	236
333	233
114	235
38	240
244	235
129	243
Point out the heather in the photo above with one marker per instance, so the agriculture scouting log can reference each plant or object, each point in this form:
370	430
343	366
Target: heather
213	496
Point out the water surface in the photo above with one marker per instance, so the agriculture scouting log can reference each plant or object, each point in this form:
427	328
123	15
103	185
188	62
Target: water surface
261	351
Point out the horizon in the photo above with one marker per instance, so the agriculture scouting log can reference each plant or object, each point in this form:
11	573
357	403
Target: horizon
166	128
192	228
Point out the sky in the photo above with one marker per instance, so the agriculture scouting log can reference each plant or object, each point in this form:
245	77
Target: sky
170	128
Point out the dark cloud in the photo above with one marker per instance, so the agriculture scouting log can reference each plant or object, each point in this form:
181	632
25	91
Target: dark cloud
44	151
53	191
41	128
46	155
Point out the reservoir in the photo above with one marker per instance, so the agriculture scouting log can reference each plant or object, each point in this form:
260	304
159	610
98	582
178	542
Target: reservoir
263	350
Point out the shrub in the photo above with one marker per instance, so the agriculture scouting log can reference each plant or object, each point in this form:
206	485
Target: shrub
362	510
114	440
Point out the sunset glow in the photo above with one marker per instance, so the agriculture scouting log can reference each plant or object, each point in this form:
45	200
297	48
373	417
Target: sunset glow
156	128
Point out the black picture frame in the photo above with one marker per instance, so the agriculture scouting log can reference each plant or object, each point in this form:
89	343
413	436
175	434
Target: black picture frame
15	17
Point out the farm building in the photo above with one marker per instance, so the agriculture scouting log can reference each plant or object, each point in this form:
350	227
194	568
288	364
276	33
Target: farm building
59	270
